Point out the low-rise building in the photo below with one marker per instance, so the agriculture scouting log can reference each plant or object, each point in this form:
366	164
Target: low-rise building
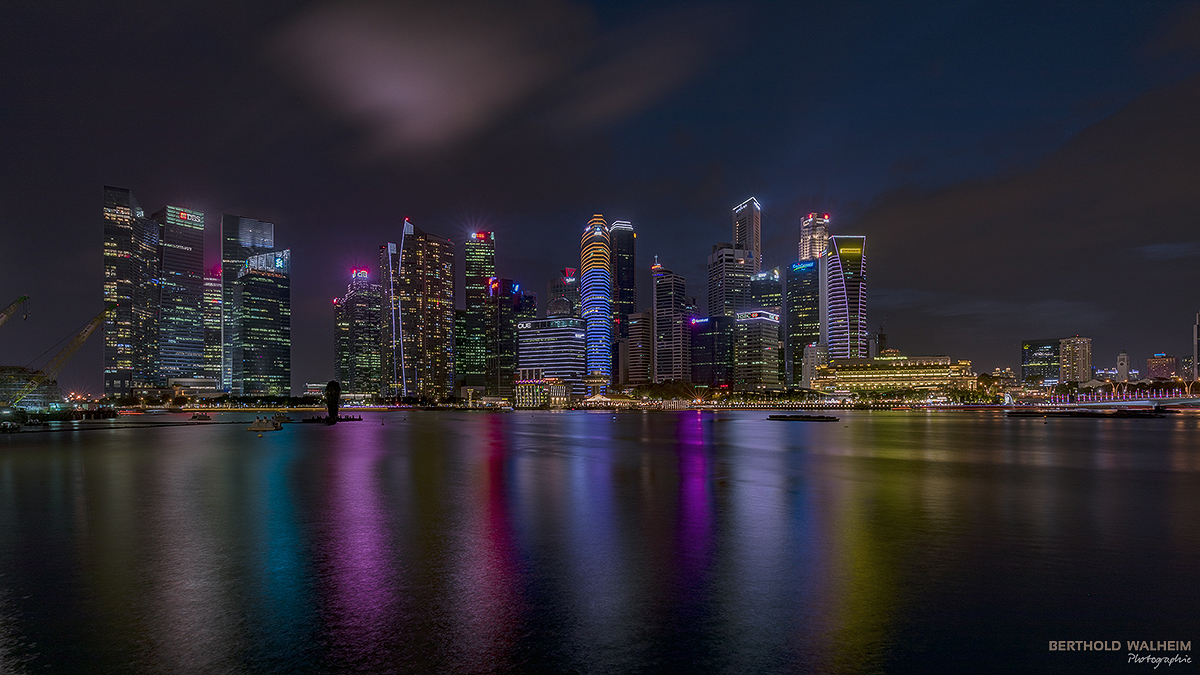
534	390
894	373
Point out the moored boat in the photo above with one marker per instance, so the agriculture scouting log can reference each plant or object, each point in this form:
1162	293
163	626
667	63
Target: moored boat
802	418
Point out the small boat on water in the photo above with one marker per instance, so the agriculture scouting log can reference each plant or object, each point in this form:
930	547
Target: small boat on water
281	418
264	424
200	417
9	427
802	418
324	420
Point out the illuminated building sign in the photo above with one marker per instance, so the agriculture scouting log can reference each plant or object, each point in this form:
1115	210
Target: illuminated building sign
801	266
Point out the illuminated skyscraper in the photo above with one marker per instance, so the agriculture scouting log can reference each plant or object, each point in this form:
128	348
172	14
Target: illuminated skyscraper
565	286
557	346
814	236
357	363
1039	362
1195	374
181	286
417	316
597	298
747	232
212	324
241	238
1075	359
766	291
624	270
507	306
802	312
756	351
479	265
672	327
713	340
640	350
845	306
729	272
131	281
262	326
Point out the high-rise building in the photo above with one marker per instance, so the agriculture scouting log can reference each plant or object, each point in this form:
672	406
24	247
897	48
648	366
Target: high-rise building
180	337
814	236
640	350
357	324
845	304
131	281
479	262
565	286
672	327
713	351
1195	374
596	289
557	346
756	351
212	324
241	238
623	242
729	272
417	316
507	307
747	232
766	291
802	312
1162	367
261	334
1075	359
813	357
1123	367
1039	362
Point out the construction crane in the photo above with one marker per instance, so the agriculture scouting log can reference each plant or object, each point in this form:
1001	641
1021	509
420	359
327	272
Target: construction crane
56	362
7	312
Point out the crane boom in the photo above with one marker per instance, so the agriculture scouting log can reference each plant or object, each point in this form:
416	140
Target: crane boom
56	362
7	312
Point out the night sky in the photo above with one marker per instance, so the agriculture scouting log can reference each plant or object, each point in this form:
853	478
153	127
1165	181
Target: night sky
1020	169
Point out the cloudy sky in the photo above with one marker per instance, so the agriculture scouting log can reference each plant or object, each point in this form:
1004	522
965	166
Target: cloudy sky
1021	169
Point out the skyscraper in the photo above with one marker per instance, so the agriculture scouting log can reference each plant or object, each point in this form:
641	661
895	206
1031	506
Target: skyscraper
814	236
1075	359
766	291
623	241
262	326
479	264
357	325
131	281
802	313
1195	374
640	350
181	287
506	306
212	324
672	327
713	341
1039	362
417	316
241	238
846	305
557	346
565	286
747	231
597	298
729	272
756	351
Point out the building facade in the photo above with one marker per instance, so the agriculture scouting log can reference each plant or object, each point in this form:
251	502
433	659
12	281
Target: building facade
131	280
357	322
1039	362
747	232
1075	359
729	272
241	238
623	242
672	327
713	351
845	301
756	351
597	300
180	337
556	346
814	236
262	326
640	349
802	314
1162	367
894	373
479	265
212	324
565	286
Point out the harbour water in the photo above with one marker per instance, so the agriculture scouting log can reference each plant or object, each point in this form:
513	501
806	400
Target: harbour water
906	542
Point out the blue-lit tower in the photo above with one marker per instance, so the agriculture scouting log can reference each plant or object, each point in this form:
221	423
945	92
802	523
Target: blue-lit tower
596	278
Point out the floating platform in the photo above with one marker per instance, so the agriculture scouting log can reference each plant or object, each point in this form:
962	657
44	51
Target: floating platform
1087	413
802	418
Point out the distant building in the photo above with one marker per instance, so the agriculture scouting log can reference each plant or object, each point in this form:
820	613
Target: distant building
508	308
814	356
672	335
479	265
1075	359
131	248
756	351
1122	367
45	396
564	287
1196	348
357	335
1040	362
262	326
241	238
640	348
180	336
1162	367
814	236
845	301
212	324
802	314
557	347
623	241
597	300
729	272
894	373
1004	378
747	233
713	342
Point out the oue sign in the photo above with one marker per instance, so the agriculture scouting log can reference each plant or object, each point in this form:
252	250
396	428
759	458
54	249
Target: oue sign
523	326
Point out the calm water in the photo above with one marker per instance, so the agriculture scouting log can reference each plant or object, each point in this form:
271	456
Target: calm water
576	542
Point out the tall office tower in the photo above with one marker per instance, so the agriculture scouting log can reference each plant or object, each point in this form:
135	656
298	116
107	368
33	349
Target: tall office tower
814	236
504	305
623	241
417	316
181	289
131	281
565	286
802	312
766	291
713	339
479	263
1123	367
640	350
596	291
357	323
558	346
729	272
813	356
1162	367
672	327
1195	374
212	324
262	326
846	306
747	231
1075	359
1039	362
241	238
756	351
